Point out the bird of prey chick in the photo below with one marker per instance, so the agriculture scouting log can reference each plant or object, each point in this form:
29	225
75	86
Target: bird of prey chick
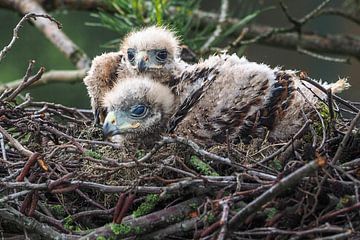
138	107
152	51
223	97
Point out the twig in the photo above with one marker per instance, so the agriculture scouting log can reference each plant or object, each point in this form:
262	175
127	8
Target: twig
222	17
283	148
275	190
10	214
15	143
27	82
322	57
319	116
53	33
337	98
149	222
345	139
198	150
19	25
14	196
338	212
53	76
31	162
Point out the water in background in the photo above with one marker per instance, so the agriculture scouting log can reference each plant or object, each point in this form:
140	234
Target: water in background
32	45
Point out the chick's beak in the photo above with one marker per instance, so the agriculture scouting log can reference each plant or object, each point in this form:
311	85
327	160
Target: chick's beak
115	123
143	61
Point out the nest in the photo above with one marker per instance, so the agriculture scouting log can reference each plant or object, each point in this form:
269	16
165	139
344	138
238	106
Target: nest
59	179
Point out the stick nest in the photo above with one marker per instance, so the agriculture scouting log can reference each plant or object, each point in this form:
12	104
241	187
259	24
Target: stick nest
57	172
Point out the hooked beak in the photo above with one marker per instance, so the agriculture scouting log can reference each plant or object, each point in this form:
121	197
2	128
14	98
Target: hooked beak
115	123
143	61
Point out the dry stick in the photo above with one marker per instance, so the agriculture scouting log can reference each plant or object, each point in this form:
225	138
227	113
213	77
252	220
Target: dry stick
219	27
198	150
11	215
275	190
148	222
52	32
331	111
345	139
119	206
82	5
19	25
326	228
339	236
127	204
322	57
320	118
267	35
27	82
30	162
224	219
15	143
337	98
14	196
338	212
283	148
53	76
184	226
90	185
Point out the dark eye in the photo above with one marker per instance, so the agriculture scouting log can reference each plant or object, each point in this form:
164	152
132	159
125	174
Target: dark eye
131	54
138	111
161	55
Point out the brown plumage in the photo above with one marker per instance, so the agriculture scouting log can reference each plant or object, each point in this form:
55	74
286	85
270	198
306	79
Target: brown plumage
152	51
226	96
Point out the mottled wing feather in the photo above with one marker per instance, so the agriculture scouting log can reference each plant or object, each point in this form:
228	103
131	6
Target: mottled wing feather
203	77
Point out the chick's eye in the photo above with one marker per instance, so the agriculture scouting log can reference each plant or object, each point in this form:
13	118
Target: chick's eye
131	54
138	111
161	55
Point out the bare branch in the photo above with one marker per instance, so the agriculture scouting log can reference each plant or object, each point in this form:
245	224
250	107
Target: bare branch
19	25
51	31
219	27
54	76
275	190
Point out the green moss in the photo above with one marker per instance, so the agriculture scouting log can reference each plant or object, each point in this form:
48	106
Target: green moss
138	230
202	167
92	154
325	114
101	238
270	212
210	218
277	165
344	200
69	223
139	153
58	210
122	229
147	206
193	206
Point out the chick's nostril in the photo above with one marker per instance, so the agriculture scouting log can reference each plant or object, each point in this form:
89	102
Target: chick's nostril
146	58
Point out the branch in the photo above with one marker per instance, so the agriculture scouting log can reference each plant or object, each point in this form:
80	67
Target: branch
10	214
275	190
148	222
16	143
19	25
51	31
54	76
84	5
346	45
219	27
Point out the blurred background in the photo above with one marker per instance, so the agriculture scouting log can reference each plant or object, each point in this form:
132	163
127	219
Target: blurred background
92	34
